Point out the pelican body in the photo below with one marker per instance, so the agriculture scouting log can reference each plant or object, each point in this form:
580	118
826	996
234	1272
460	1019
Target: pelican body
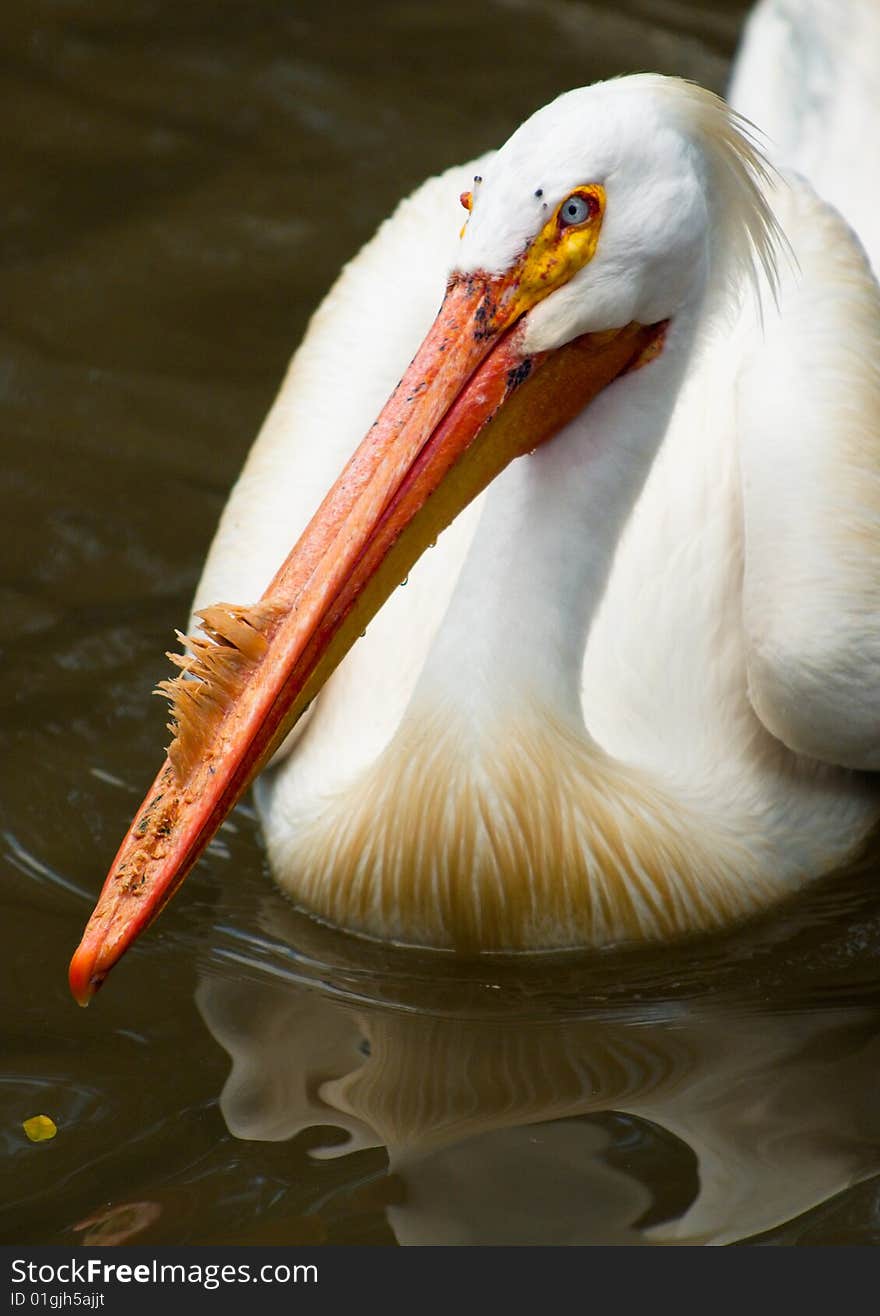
633	689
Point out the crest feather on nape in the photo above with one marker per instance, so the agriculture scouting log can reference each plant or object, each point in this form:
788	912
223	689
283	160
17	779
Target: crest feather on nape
748	241
218	662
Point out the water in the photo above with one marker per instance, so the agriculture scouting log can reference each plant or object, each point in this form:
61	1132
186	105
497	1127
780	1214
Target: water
183	183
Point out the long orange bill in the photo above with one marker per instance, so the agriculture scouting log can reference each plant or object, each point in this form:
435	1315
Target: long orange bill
469	403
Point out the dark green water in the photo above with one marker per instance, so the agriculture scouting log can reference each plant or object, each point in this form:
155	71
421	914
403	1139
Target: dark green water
182	181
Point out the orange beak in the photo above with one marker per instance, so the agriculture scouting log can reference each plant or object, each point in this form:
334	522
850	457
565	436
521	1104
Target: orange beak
469	403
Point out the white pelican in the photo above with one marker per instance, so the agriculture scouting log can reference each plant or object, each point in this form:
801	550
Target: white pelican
634	691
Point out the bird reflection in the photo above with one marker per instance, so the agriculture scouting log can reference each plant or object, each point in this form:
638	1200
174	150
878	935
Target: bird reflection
518	1106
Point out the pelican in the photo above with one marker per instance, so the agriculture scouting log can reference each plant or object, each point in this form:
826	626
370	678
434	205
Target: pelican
633	689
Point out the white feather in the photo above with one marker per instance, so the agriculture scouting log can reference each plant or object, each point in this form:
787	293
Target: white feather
705	621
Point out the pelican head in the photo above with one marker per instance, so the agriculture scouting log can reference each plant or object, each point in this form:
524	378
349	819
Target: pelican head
600	223
668	175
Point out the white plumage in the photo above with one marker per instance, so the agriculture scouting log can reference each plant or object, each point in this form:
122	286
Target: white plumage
686	644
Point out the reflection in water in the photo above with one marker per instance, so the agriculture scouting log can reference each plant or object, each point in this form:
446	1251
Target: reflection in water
118	1224
514	1113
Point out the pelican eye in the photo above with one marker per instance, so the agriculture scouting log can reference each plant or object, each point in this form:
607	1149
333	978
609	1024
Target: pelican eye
575	210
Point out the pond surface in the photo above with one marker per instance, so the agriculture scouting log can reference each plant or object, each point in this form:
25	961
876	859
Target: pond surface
183	182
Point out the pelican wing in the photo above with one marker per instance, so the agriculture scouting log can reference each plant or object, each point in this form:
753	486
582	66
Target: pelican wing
809	446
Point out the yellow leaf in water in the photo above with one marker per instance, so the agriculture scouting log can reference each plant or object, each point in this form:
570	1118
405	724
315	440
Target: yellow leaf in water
40	1128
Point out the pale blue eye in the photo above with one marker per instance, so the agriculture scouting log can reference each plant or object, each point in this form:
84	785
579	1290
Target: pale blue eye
575	210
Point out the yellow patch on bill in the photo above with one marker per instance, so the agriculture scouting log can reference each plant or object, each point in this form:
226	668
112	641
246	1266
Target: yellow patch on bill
557	253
